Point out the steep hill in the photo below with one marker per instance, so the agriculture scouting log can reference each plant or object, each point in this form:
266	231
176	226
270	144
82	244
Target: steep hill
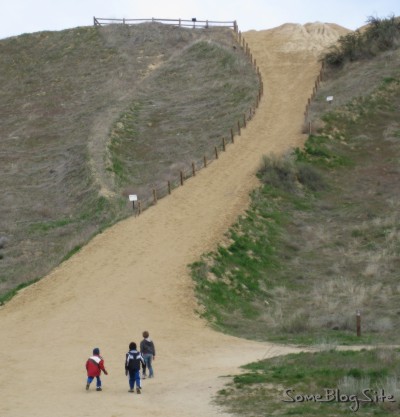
134	276
90	114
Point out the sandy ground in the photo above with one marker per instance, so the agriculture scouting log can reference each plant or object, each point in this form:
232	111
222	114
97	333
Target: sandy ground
134	276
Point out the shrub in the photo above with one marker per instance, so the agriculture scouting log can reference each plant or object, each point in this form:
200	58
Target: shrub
379	36
279	172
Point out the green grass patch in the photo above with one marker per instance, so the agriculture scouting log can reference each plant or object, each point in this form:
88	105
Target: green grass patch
345	381
10	294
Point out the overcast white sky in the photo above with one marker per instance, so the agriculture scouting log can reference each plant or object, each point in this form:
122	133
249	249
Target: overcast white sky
25	16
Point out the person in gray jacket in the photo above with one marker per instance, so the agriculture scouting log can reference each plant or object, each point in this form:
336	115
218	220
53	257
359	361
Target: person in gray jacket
148	352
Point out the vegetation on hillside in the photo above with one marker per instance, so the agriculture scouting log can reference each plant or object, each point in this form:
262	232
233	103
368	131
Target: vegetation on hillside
61	95
321	239
378	36
179	114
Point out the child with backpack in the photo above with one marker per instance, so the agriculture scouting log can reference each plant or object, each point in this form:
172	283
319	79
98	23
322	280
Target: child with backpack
133	360
94	366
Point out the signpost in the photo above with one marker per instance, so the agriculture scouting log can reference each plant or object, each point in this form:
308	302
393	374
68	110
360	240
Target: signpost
133	198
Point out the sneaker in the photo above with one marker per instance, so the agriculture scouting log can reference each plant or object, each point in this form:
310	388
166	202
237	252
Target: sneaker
99	389
87	386
138	390
131	390
144	377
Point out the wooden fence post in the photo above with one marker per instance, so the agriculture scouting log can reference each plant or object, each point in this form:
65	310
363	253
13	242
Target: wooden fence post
154	196
193	169
181	172
232	136
223	144
244	120
139	207
238	124
205	161
358	322
169	187
216	152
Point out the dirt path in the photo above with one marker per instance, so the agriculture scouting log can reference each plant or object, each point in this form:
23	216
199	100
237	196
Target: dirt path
134	277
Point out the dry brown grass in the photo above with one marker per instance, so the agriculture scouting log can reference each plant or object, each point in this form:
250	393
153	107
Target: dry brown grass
60	94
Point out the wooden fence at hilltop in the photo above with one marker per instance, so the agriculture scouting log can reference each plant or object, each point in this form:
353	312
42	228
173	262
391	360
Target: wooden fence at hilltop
192	23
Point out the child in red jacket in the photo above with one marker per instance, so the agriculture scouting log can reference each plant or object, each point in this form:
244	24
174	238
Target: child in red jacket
94	366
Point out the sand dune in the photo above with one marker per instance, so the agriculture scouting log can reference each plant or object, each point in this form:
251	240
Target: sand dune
134	276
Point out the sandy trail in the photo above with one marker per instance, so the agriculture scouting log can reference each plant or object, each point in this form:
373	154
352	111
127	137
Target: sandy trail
134	276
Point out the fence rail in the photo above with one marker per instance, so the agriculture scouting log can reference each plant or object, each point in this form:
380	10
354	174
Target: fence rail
192	23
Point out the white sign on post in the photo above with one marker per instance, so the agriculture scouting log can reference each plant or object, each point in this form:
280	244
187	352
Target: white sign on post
329	99
133	198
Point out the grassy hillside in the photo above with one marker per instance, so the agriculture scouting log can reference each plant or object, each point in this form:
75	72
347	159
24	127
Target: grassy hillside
320	241
66	151
321	238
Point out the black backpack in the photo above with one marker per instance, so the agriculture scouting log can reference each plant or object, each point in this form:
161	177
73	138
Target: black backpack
133	361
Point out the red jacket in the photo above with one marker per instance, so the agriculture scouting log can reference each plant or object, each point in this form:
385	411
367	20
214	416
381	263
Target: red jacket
94	366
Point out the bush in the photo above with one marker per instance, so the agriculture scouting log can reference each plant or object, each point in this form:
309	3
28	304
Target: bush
379	36
279	172
310	177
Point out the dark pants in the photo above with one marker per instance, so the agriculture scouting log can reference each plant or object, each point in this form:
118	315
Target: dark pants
134	376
